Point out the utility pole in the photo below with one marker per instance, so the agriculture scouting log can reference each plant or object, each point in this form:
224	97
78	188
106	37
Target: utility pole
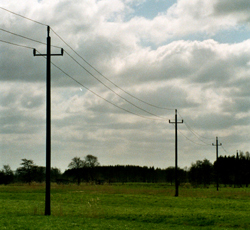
48	118
176	153
217	171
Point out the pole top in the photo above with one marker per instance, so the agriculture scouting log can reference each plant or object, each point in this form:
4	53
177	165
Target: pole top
48	30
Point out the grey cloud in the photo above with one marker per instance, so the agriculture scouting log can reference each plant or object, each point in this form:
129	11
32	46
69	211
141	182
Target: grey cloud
16	97
19	65
241	88
240	104
14	122
215	122
34	102
231	6
8	99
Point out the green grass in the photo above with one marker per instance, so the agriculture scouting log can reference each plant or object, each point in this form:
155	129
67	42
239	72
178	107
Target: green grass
128	206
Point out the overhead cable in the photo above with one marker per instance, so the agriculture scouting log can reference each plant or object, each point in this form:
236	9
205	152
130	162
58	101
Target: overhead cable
11	43
83	68
88	62
107	78
22	36
128	111
194	133
19	15
224	149
138	107
192	140
27	38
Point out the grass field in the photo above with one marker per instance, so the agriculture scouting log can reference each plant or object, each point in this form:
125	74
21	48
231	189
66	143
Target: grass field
128	206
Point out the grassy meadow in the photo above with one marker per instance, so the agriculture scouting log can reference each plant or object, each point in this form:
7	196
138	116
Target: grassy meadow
124	206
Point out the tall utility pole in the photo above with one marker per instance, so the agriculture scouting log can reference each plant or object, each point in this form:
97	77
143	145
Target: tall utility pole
176	153
48	118
217	171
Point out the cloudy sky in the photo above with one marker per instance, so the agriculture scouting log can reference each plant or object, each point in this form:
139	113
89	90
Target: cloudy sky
151	57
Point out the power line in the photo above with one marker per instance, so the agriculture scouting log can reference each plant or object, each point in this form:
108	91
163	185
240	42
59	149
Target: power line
11	43
87	72
192	140
87	61
138	107
78	81
224	149
96	71
19	15
107	78
99	95
22	36
108	100
87	87
27	38
195	133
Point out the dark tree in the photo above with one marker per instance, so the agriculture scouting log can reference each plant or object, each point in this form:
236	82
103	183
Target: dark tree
201	172
90	164
55	174
24	173
82	169
76	165
234	170
170	174
91	161
6	175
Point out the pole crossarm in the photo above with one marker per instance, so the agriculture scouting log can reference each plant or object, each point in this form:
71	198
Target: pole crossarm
35	54
176	153
48	119
216	144
178	122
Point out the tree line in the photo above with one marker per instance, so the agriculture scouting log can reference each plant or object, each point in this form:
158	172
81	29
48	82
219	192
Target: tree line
227	170
27	173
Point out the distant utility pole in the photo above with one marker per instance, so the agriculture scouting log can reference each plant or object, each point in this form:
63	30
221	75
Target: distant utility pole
176	153
217	171
48	119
